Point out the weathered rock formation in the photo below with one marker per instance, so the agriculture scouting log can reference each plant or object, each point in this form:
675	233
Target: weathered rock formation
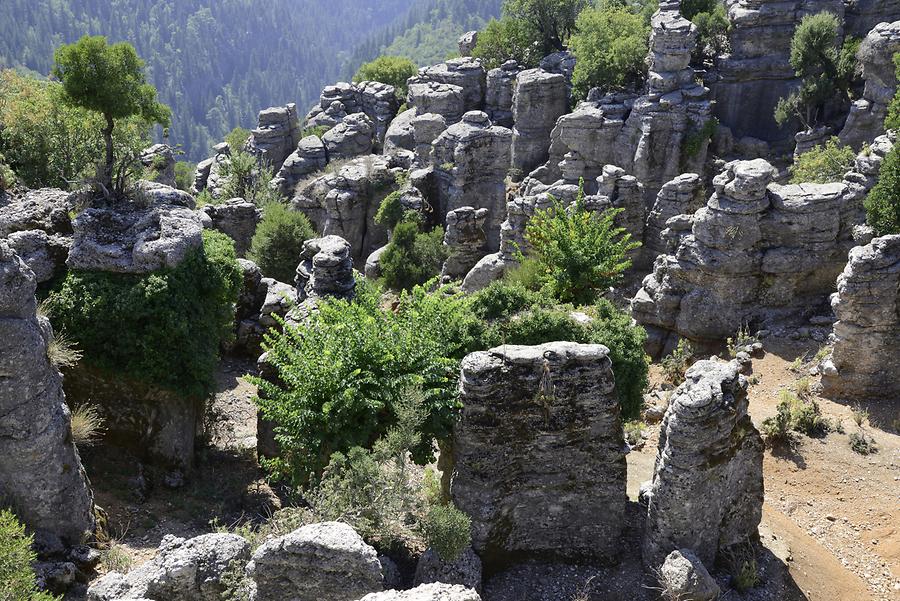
465	240
237	218
471	161
208	175
864	363
681	196
352	137
182	570
276	136
683	576
376	100
446	100
758	253
464	570
344	203
707	490
501	86
540	98
465	73
538	459
37	226
862	15
467	43
41	476
159	160
310	157
876	55
325	269
155	193
427	592
319	561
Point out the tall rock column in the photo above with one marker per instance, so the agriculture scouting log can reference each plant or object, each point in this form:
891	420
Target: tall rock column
707	490
276	135
864	363
538	453
540	99
40	471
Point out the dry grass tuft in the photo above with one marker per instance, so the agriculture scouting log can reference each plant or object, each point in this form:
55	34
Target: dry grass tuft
87	425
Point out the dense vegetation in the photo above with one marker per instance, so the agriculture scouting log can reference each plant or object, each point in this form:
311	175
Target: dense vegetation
392	70
17	581
278	241
823	164
164	328
883	202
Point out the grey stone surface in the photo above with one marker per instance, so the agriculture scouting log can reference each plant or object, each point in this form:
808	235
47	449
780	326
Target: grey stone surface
427	592
681	196
317	562
276	135
684	577
352	137
41	476
325	269
37	225
465	241
707	490
155	193
159	159
538	459
466	73
471	160
237	218
862	15
400	136
864	362
465	570
377	100
446	100
310	157
182	570
467	43
500	88
540	99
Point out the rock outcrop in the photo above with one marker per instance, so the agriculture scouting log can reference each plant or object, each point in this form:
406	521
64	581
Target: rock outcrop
876	55
236	218
131	239
538	460
471	161
862	15
352	137
378	101
501	87
37	226
318	561
683	576
681	196
344	203
540	98
758	253
864	362
310	157
442	99
208	175
464	570
41	476
182	570
467	43
325	269
707	490
427	592
465	73
465	241
159	160
276	136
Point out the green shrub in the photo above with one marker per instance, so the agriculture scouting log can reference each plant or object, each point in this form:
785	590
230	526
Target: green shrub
247	176
412	257
391	210
448	531
862	443
823	164
447	316
676	363
795	415
582	253
892	121
236	138
777	429
345	374
529	273
278	241
883	201
317	131
17	580
695	140
7	175
611	45
553	21
184	175
540	325
508	39
502	300
391	70
164	328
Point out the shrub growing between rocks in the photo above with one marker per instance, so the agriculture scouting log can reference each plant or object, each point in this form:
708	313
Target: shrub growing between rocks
392	70
823	164
883	202
163	328
412	257
17	580
278	241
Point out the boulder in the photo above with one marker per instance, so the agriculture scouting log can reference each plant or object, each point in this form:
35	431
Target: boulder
427	592
540	99
159	161
378	101
276	136
467	43
318	561
538	459
680	196
352	137
465	241
37	225
465	73
683	577
446	100
155	193
325	269
310	157
41	476
237	218
707	490
500	88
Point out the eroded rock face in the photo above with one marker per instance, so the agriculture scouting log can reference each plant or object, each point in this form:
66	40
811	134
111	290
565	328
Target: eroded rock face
160	160
446	100
471	160
131	239
681	196
465	240
863	15
182	570
208	175
378	101
501	86
352	137
467	43
344	203
427	592
757	72
707	490
319	561
277	134
864	362
466	73
538	453
310	157
465	570
876	55
540	99
38	228
325	269
684	576
41	476
236	218
757	253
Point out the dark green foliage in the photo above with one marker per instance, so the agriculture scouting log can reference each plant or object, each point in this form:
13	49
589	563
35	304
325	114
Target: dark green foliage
447	316
17	581
278	241
823	164
611	44
391	70
448	531
582	253
163	328
347	373
691	8
883	202
184	175
862	443
249	177
412	257
7	175
553	20
390	213
712	29
508	39
237	138
502	300
694	141
892	121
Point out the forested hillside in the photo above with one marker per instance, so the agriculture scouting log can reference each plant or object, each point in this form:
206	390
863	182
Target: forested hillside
215	62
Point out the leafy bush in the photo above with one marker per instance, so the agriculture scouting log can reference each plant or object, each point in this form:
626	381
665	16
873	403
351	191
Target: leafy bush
892	121
554	21
237	138
712	30
777	429
448	531
412	257
862	443
278	241
164	328
447	316
344	376
795	415
823	164
391	70
581	252
391	210
7	175
184	175
502	300
676	363
17	580
883	201
508	39
249	177
611	44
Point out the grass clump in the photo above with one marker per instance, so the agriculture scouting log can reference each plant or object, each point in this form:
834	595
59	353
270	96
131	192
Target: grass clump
63	352
795	414
278	242
87	425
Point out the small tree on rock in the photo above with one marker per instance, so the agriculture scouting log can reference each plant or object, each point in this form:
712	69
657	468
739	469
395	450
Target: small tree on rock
110	80
392	70
554	20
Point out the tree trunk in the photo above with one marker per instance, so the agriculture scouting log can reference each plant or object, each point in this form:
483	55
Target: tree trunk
108	169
